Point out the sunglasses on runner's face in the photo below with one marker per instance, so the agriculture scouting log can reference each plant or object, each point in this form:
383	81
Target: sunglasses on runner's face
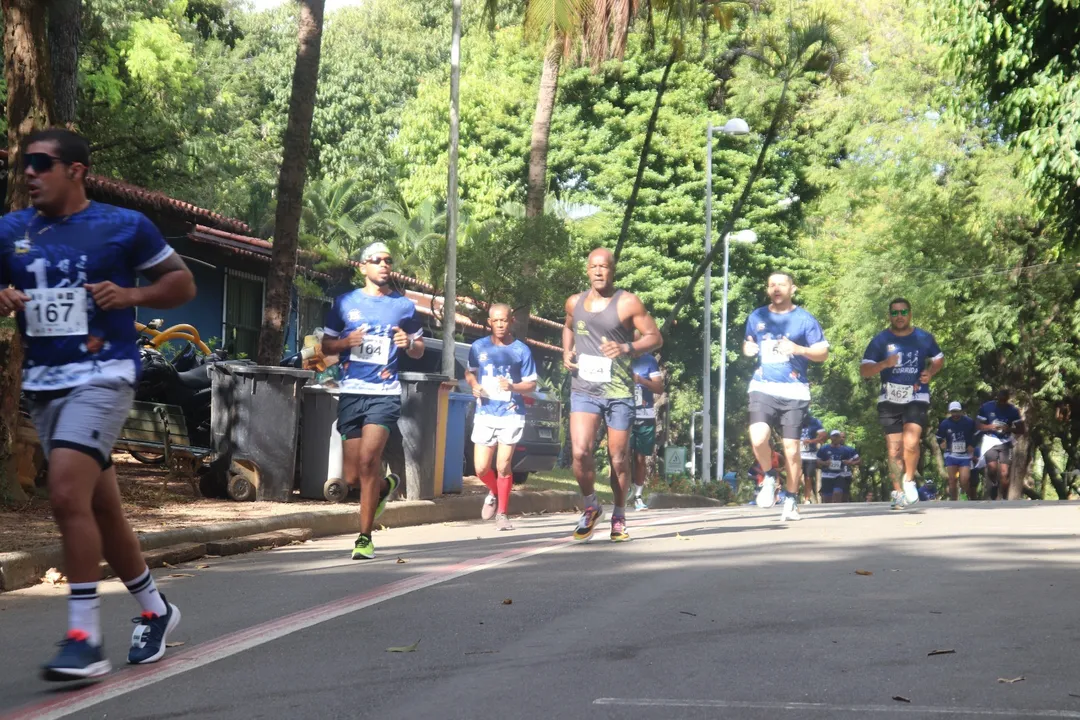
387	260
903	312
40	162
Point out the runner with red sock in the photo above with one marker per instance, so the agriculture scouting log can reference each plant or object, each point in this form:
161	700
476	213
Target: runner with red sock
500	369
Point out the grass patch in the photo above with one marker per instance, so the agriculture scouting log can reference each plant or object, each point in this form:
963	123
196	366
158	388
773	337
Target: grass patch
563	479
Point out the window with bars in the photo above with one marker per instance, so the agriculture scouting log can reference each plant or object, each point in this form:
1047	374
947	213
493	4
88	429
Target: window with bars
243	313
312	314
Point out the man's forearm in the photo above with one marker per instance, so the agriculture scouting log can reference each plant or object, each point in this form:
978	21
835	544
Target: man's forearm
334	346
416	350
171	290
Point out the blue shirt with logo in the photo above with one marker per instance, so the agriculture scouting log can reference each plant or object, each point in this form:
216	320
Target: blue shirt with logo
810	429
958	435
644	401
489	362
832	457
371	368
780	375
1009	414
69	340
917	350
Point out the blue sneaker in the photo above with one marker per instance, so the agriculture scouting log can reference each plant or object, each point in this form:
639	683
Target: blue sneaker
77	660
640	504
151	634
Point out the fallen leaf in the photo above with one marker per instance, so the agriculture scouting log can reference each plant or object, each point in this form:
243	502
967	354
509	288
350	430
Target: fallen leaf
940	652
407	648
1074	695
900	698
508	601
174	644
680	537
401	561
53	577
684	612
482	652
1010	681
863	572
201	567
180	575
168	565
382	527
912	524
936	612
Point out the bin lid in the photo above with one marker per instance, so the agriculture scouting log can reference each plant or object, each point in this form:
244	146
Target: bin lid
423	377
261	370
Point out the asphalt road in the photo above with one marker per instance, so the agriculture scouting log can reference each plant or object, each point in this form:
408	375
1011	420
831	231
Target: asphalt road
705	614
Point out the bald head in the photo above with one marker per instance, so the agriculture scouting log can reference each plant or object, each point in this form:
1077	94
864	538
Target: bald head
500	316
601	270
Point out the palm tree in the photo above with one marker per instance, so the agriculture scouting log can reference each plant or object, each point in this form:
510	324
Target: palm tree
290	192
338	216
416	236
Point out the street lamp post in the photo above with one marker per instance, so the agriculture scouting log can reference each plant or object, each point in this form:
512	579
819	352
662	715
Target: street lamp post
742	236
734	126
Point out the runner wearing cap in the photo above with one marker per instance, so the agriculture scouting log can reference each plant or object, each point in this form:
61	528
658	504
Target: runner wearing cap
369	328
956	437
837	459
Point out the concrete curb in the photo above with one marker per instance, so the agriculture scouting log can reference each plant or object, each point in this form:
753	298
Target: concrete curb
19	569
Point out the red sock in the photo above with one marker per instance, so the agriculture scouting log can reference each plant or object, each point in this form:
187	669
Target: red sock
505	485
488	479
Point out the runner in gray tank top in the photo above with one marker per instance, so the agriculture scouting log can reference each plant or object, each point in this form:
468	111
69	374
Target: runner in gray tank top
598	347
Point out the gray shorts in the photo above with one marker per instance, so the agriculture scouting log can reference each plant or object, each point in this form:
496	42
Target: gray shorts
618	413
87	418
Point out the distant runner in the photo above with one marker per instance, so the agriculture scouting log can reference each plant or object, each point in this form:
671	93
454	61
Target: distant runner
998	420
500	369
369	328
648	382
72	266
837	460
906	358
813	435
956	436
598	348
785	338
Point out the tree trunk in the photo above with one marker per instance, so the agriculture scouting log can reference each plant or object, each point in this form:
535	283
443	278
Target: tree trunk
65	19
1023	451
536	189
10	380
643	158
1061	487
290	189
29	87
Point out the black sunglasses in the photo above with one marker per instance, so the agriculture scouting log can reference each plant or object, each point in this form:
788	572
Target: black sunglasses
903	312
388	261
41	162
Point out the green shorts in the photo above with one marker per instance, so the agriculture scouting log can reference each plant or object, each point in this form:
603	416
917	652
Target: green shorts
643	438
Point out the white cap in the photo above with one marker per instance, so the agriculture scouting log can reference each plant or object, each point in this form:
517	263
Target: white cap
955	406
834	433
375	248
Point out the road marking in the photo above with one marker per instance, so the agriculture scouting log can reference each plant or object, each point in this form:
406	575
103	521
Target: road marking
235	643
898	708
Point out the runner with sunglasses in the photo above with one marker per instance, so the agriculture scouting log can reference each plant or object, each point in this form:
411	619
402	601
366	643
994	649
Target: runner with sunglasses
369	328
68	270
906	358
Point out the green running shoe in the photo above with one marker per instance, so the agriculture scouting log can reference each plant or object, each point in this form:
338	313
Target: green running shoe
393	481
364	549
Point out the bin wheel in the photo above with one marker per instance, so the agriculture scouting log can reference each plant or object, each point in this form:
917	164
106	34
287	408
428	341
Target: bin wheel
242	483
520	478
335	490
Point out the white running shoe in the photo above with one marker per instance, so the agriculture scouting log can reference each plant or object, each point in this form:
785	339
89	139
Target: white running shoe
766	496
488	511
791	510
911	492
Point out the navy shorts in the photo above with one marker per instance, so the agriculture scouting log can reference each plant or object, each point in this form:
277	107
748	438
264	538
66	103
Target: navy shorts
839	484
356	411
618	413
957	461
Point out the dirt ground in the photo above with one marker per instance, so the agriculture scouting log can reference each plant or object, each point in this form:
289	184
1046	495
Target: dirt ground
150	507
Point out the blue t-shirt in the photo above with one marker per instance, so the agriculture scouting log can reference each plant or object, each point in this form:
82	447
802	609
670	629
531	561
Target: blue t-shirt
991	412
901	384
781	375
644	401
810	429
832	457
67	339
489	362
958	435
371	368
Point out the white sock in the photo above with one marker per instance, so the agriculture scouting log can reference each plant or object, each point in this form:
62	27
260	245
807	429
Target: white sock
637	490
145	591
84	611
